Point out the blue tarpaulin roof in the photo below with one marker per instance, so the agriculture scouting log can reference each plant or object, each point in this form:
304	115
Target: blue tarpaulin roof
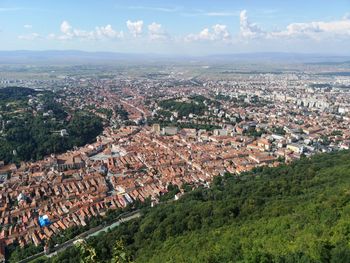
44	221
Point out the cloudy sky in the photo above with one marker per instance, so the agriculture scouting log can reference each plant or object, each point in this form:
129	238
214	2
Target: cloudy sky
177	27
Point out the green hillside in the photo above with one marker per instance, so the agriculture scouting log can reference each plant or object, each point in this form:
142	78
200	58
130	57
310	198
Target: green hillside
295	213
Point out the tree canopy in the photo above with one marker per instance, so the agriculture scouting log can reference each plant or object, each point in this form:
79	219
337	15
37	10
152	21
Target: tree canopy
30	132
15	93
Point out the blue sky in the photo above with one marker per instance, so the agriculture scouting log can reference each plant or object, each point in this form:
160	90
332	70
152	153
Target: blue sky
176	27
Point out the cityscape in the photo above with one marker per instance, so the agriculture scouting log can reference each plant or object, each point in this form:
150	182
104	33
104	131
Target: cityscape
122	157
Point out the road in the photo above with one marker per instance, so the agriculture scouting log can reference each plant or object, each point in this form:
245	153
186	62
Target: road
135	107
91	232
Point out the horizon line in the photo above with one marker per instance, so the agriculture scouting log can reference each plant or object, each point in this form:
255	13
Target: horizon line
176	54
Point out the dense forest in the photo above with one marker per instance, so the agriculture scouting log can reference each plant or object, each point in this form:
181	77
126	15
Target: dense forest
30	134
293	213
33	138
15	93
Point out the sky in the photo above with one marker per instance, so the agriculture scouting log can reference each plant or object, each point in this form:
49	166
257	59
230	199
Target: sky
177	27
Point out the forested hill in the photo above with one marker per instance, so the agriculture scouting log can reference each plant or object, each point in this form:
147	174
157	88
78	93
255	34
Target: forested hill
294	213
31	121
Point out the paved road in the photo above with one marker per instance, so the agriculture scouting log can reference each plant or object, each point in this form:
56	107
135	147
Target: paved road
115	224
136	108
91	232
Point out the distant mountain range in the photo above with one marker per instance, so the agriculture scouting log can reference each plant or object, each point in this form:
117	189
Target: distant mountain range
76	56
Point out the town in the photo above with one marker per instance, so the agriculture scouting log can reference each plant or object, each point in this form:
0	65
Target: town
164	131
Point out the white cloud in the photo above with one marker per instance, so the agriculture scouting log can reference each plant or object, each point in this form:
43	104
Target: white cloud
82	34
205	35
103	32
108	32
156	32
248	29
135	28
31	36
346	16
221	32
314	30
66	28
218	32
28	26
